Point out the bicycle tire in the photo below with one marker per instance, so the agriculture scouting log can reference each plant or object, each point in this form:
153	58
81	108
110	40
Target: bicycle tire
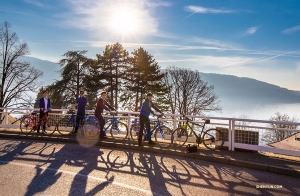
118	158
213	139
65	127
179	137
50	127
26	125
118	131
163	139
134	132
91	129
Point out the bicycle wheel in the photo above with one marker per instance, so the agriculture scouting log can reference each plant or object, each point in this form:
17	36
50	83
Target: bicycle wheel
50	126
118	131
134	132
26	125
179	136
163	136
213	139
65	127
91	129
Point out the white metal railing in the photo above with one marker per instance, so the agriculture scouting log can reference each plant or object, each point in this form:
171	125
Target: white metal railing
235	128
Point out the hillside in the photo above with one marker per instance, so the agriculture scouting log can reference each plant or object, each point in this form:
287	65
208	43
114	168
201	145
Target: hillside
233	88
229	88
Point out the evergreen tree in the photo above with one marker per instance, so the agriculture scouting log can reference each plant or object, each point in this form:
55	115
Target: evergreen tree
113	63
143	75
74	68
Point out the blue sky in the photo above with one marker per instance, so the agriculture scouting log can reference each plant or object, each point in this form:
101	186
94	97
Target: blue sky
256	39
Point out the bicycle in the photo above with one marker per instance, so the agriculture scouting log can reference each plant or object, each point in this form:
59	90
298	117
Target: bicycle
118	129
29	123
66	126
212	138
162	133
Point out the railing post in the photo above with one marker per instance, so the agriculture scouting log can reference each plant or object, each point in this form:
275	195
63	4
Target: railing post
6	119
129	125
229	134
232	135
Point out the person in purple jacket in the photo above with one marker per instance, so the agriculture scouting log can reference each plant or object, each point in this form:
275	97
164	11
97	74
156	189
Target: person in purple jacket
102	105
144	118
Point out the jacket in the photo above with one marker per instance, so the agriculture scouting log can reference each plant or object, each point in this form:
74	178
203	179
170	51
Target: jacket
42	103
102	105
146	108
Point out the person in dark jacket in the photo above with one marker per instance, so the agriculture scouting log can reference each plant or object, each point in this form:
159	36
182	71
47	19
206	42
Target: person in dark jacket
45	107
81	103
102	105
144	118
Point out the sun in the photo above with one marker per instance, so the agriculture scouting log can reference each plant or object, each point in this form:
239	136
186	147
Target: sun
124	22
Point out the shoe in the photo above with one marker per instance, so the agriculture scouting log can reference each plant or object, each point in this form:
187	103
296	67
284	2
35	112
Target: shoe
145	138
103	137
151	142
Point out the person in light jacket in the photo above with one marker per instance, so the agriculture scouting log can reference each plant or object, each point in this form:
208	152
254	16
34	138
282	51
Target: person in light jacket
144	118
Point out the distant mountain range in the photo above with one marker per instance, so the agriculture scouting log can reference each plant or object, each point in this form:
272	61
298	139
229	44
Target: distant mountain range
228	88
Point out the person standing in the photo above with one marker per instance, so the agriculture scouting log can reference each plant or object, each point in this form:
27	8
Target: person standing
45	107
101	105
144	118
81	103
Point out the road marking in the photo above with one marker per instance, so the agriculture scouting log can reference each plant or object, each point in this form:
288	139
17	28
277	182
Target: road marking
83	175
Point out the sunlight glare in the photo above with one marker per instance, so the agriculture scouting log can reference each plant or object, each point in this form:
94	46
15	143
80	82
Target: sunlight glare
124	22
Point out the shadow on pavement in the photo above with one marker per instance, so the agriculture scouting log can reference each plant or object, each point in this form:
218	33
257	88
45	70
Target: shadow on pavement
166	173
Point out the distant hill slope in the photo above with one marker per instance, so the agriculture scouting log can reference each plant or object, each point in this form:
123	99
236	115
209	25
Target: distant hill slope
49	69
232	88
229	88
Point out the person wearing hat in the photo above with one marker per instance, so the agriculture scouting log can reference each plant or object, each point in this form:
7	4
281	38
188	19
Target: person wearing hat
144	118
81	103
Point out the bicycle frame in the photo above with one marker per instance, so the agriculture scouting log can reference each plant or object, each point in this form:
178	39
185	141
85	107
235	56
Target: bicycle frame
113	121
158	124
187	125
39	122
72	118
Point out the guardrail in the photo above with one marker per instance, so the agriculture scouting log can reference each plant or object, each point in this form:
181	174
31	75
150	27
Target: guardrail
248	134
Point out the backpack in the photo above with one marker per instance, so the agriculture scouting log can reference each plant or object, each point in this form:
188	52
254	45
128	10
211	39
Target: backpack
191	148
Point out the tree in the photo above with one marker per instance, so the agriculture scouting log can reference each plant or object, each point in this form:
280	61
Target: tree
142	76
272	136
113	64
17	78
74	68
188	93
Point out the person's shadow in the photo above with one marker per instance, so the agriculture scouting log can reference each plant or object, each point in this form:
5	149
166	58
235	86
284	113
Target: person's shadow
79	183
66	155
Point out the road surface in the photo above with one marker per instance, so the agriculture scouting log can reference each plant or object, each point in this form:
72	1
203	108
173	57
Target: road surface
48	168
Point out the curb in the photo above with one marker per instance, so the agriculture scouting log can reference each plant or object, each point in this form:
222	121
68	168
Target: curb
179	153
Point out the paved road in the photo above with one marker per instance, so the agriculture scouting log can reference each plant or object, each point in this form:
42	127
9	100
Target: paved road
47	168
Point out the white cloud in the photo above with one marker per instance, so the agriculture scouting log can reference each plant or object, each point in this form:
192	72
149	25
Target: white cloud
204	10
252	30
158	4
291	30
36	3
95	16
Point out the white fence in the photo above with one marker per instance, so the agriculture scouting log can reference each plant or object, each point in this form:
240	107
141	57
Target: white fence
246	134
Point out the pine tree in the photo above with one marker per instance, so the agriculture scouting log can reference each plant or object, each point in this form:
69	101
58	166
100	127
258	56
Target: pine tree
113	64
74	68
142	76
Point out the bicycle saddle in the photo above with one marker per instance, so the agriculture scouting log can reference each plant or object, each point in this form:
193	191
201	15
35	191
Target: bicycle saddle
33	113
